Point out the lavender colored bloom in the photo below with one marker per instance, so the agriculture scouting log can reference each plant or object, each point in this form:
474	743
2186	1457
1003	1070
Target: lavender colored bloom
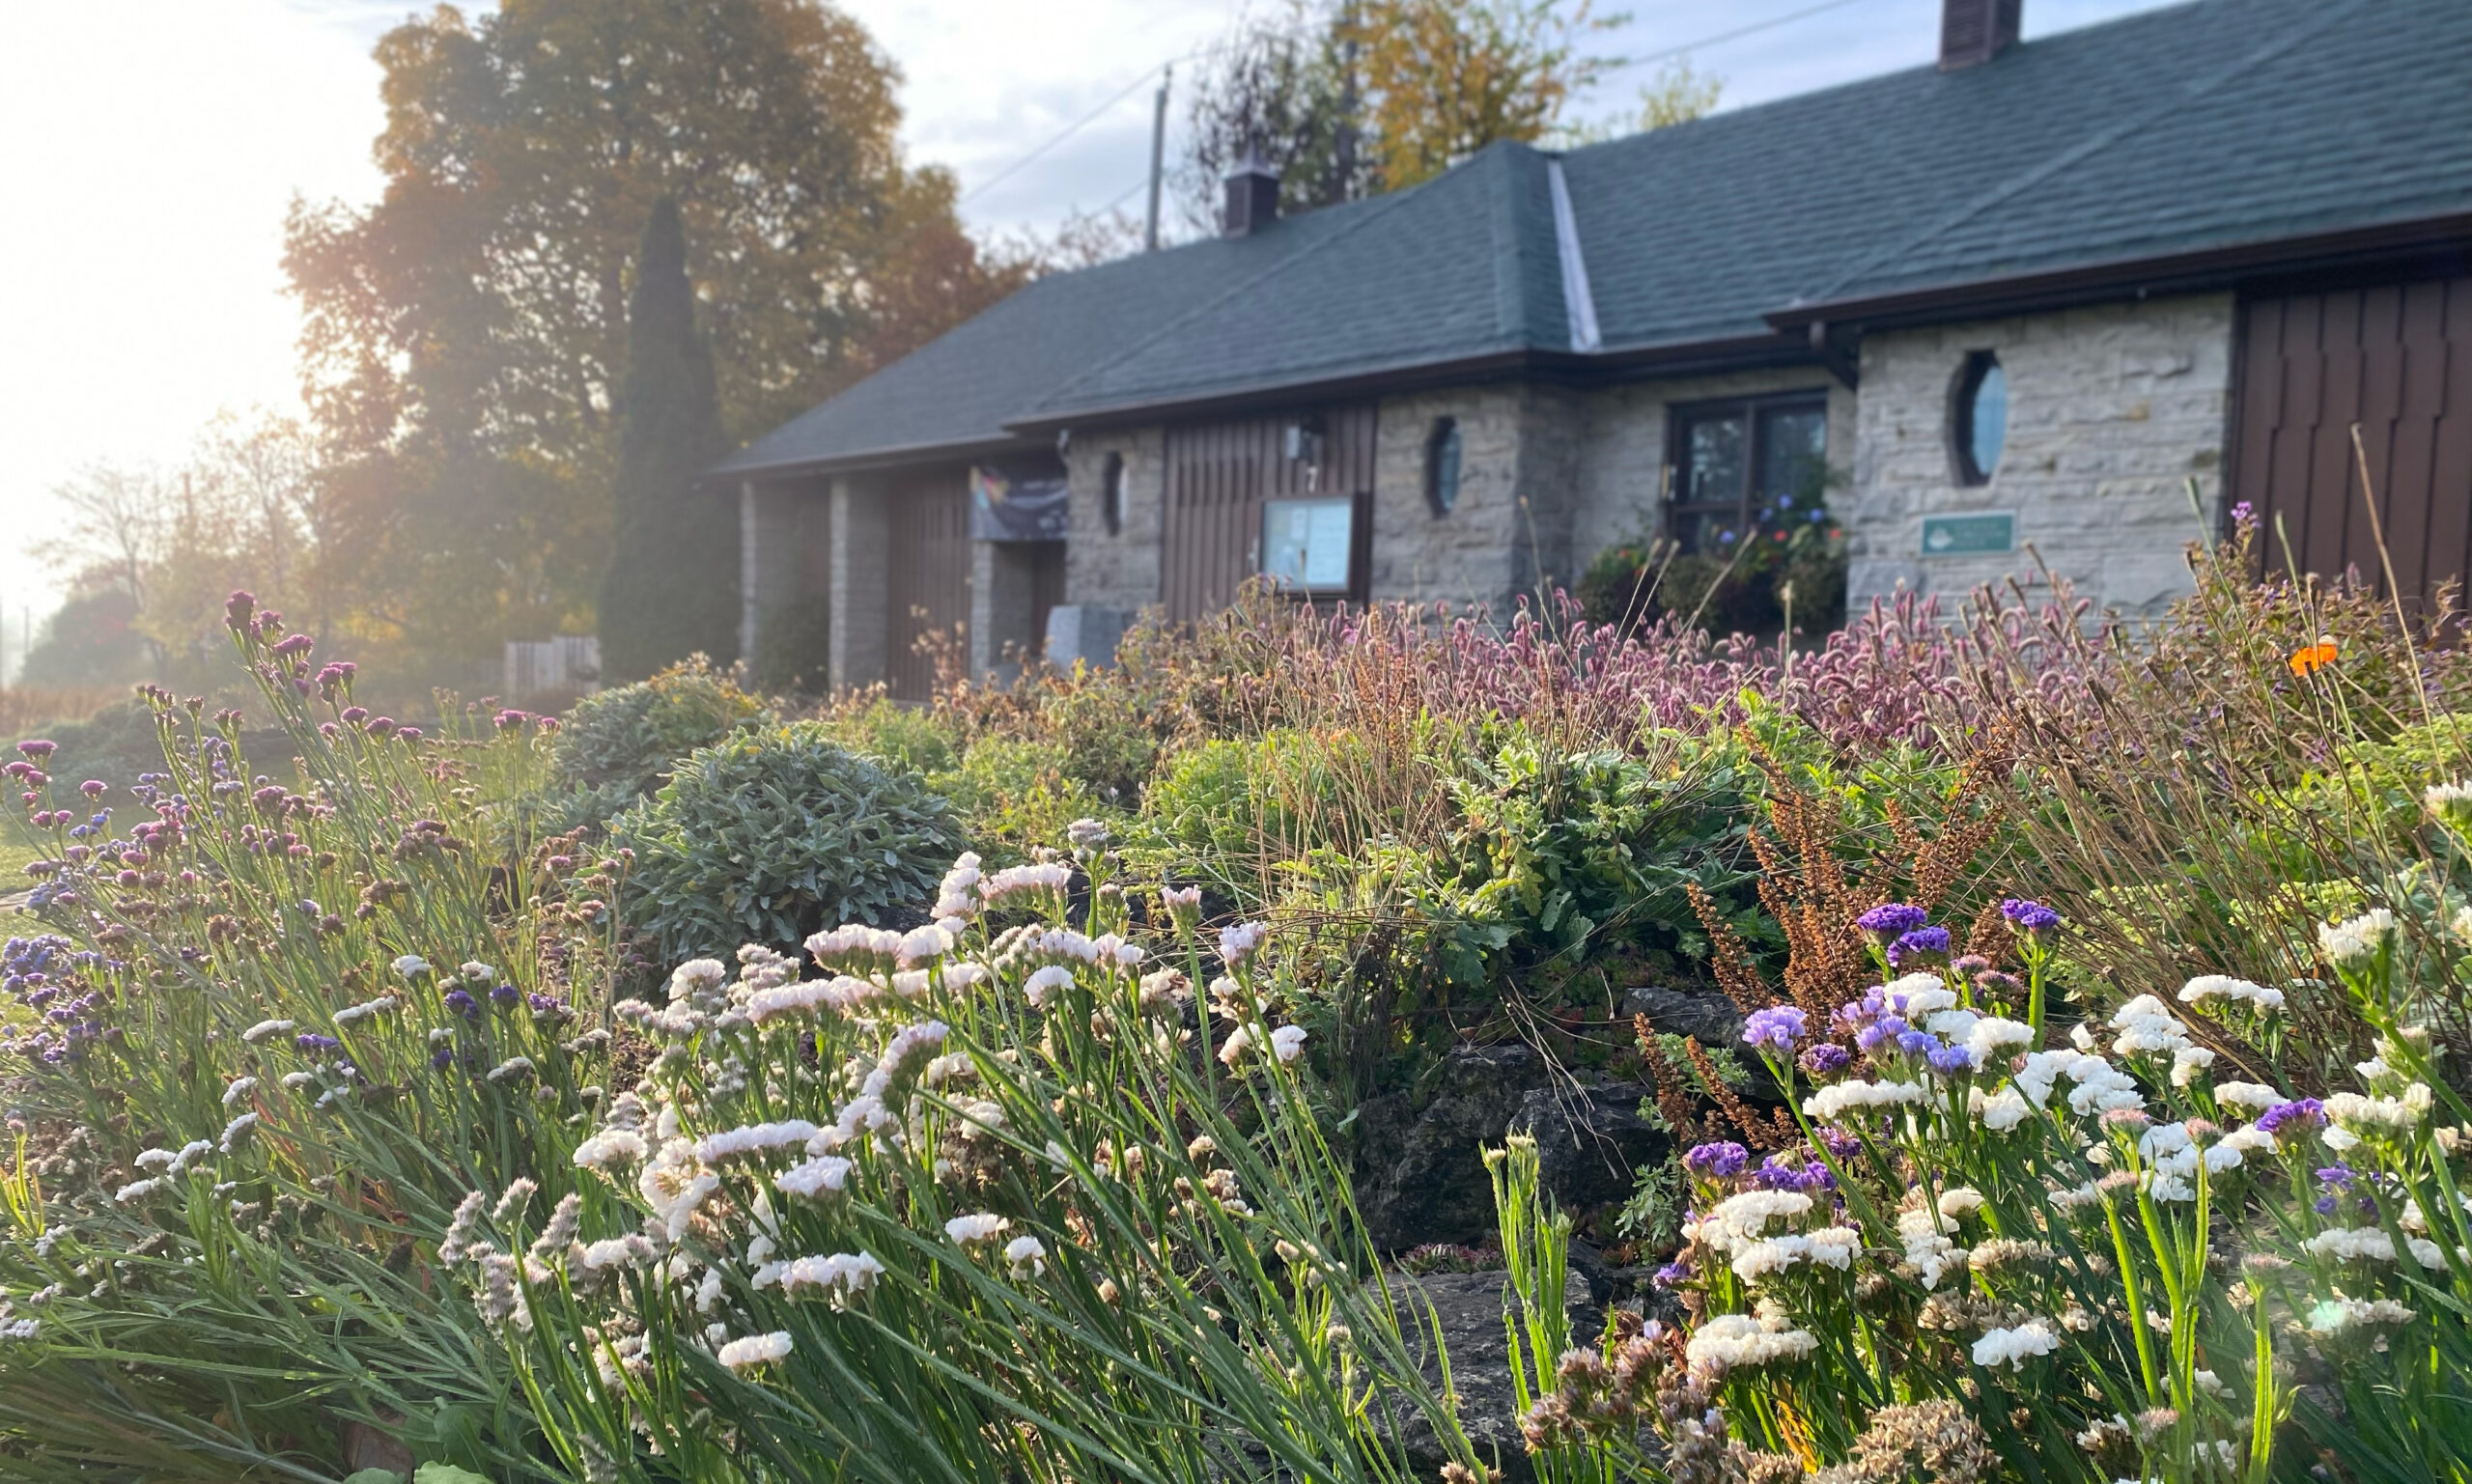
1718	1160
1891	920
2029	917
1917	1042
443	1058
2244	512
506	995
2337	1174
462	1003
1778	1028
1826	1060
1992	984
1950	1060
313	1042
1787	1172
2300	1112
1841	1143
2323	1205
1922	943
1672	1275
545	1004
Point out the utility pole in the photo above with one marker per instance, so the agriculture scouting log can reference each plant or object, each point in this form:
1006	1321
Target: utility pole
1158	157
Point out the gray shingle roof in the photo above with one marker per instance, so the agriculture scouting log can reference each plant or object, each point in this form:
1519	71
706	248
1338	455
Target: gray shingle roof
2214	124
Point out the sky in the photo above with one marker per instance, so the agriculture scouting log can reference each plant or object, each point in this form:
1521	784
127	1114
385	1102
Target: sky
152	147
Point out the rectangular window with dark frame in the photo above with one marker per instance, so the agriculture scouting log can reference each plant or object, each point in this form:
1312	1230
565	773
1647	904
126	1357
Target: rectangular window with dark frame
1735	460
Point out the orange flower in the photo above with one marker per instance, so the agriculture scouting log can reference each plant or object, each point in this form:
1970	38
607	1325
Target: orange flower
2310	658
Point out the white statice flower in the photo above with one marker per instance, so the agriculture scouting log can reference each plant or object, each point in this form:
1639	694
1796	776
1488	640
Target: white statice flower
1831	1246
842	1277
238	1088
954	896
1026	1256
1932	1254
923	945
2371	1244
237	1131
753	1140
1731	1342
2450	804
1743	1218
367	1009
754	1350
2234	1148
1045	984
1833	1102
1992	1038
411	965
2365	1116
2013	1347
266	1030
612	1149
1959	1203
2187	1062
137	1191
2255	1097
1232	1049
1240	942
978	1226
1021	880
2147	1027
2222	989
1918	993
673	1187
2332	1316
825	1175
696	978
2355	941
1287	1042
1998	1111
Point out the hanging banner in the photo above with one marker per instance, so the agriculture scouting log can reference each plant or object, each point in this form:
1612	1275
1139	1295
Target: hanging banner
1006	505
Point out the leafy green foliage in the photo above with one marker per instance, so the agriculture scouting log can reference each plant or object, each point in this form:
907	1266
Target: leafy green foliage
1013	793
768	836
620	744
912	738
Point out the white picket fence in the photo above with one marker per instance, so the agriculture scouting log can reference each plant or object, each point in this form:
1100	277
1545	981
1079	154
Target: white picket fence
568	664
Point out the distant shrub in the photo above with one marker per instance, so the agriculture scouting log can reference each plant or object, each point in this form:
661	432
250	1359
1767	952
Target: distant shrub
914	739
1012	793
620	744
1227	811
115	743
768	836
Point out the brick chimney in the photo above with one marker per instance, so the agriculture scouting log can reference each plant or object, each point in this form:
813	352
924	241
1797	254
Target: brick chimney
1252	197
1975	31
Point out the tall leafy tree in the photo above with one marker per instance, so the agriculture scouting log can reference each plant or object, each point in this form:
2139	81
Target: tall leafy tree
464	337
672	588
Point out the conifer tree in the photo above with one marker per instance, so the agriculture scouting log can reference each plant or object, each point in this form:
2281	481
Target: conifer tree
672	589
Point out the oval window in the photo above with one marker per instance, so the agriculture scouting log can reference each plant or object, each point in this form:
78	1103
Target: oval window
1442	465
1112	501
1982	420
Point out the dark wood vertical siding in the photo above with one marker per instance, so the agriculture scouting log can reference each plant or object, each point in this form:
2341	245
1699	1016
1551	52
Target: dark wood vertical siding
2395	358
927	583
1219	474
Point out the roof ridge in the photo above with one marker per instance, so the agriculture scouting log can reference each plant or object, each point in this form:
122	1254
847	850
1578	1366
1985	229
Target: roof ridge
2319	19
1376	208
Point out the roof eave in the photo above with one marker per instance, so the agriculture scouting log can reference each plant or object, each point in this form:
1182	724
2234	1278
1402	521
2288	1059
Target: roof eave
868	460
1681	358
2186	272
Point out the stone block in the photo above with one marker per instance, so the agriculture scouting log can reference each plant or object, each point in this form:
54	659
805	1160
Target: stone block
1080	632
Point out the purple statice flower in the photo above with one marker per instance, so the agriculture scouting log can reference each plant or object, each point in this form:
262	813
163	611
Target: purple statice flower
2029	917
443	1058
1950	1060
1886	1028
1789	1172
2300	1112
313	1042
2337	1174
2244	512
1971	964
1992	984
1718	1160
1826	1060
1918	946
1891	920
2323	1205
545	1004
506	995
462	1003
1841	1143
1672	1274
1917	1042
1778	1028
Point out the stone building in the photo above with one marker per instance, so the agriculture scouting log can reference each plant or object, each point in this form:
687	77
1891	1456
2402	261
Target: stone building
2057	304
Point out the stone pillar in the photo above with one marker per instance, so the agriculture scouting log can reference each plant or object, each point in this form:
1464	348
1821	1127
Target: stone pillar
860	550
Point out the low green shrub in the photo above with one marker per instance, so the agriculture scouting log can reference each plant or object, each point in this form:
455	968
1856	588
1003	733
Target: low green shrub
1230	812
768	836
912	738
1013	793
617	745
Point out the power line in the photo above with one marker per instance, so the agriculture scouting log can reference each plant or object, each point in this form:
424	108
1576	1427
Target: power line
1728	36
1074	128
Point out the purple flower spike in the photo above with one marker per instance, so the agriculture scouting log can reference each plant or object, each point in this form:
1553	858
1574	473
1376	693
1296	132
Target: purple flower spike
1672	1275
1950	1060
1891	920
1778	1028
1919	946
316	1042
1917	1042
1826	1060
2029	917
460	1001
2301	1113
1720	1160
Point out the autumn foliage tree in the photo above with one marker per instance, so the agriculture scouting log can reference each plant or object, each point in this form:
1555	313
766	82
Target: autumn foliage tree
464	337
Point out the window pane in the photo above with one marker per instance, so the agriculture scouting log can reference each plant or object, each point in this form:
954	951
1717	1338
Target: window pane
1707	530
1712	460
1793	456
1445	452
1305	543
1987	419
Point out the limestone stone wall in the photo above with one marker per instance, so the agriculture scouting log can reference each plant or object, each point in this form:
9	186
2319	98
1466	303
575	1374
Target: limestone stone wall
1619	484
1121	570
1466	556
860	543
2112	410
785	544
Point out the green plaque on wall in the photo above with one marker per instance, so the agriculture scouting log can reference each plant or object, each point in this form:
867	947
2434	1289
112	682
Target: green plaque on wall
1969	535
